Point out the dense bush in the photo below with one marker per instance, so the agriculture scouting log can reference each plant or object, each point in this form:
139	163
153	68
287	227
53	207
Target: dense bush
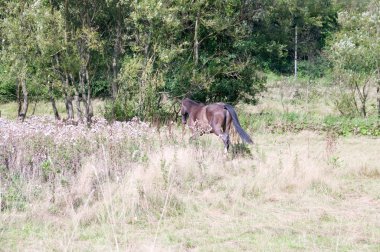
7	92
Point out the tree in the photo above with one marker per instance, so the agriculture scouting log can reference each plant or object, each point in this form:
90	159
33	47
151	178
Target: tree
81	44
115	31
19	49
355	52
214	63
275	25
140	51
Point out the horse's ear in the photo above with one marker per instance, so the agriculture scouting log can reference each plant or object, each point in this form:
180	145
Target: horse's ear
177	100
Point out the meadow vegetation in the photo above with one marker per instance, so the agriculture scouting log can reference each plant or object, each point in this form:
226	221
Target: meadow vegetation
302	191
137	186
93	156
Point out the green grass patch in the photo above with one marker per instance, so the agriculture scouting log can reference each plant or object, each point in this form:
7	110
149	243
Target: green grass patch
295	122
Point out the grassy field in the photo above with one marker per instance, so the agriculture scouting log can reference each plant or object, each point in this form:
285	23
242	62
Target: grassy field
128	186
288	192
42	108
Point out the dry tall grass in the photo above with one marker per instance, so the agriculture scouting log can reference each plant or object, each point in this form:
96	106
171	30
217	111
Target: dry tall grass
158	192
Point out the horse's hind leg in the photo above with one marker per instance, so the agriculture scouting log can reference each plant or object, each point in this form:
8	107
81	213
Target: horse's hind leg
226	140
226	130
224	136
227	127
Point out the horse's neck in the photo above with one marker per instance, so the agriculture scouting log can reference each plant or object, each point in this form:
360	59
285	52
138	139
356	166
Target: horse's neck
194	105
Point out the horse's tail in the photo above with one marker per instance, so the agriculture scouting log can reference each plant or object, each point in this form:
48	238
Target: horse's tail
244	136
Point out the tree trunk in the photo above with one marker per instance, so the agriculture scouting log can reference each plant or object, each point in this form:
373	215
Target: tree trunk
34	107
378	65
78	107
90	111
196	41
66	91
114	76
115	59
65	80
66	16
18	95
295	51
143	76
68	98
52	100
378	99
363	95
83	94
378	91
24	108
84	80
77	99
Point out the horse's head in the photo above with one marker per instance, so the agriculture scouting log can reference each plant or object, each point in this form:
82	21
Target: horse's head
184	113
187	107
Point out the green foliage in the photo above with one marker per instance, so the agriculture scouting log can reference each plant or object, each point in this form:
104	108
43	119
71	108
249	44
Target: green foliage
345	103
133	52
314	69
100	88
353	49
7	92
120	109
273	26
353	126
7	86
296	122
47	170
355	53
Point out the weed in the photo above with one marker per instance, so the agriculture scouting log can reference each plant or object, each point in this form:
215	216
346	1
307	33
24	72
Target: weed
13	197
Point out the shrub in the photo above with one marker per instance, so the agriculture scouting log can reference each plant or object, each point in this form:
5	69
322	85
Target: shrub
118	109
7	92
314	69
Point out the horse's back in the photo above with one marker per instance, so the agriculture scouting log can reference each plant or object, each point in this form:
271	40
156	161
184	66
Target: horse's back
215	111
209	114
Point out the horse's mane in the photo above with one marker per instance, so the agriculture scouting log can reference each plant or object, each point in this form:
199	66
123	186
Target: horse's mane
192	102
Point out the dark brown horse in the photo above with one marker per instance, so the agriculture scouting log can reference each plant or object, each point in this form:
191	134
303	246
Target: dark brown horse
213	118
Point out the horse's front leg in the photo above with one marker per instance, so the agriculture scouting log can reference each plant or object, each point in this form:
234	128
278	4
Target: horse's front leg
196	130
193	136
